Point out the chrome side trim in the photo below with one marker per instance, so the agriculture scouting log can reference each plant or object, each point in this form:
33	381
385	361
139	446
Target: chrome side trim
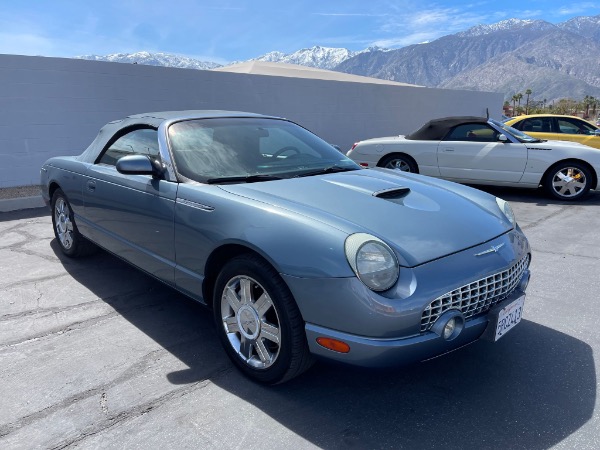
195	205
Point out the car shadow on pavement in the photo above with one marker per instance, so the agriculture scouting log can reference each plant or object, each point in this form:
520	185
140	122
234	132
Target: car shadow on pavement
532	389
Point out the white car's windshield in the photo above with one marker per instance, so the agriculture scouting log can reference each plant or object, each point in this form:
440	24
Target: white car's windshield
234	150
519	135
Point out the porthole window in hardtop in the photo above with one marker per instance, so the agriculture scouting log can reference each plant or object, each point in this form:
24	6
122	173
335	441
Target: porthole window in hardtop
141	141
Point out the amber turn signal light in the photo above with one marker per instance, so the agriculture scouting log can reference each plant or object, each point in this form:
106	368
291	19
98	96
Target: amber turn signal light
333	344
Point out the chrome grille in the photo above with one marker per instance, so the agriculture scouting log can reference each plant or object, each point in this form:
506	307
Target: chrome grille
476	297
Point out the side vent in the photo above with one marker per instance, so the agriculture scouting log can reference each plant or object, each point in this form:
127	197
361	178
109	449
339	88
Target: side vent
392	194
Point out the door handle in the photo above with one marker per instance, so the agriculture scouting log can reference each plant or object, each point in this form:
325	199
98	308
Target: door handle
448	149
91	185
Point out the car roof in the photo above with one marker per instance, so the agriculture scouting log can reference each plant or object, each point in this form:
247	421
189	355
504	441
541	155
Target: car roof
436	129
154	119
529	116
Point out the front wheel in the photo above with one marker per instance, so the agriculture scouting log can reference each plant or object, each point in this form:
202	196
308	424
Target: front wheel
568	181
258	321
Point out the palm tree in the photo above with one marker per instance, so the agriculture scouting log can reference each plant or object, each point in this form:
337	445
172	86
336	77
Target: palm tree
519	97
528	93
588	102
514	100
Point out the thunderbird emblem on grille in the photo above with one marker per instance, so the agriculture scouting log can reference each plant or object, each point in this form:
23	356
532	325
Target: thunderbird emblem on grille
494	249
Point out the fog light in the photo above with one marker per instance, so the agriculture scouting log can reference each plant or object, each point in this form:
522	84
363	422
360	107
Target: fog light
449	325
449	328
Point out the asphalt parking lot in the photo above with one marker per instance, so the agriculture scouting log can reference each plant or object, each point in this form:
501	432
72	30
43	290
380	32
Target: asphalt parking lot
95	354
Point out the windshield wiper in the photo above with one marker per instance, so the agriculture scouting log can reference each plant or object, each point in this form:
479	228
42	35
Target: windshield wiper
243	179
330	169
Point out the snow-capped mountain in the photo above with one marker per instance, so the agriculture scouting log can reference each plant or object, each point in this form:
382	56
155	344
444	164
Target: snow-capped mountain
319	57
154	59
588	27
554	60
506	25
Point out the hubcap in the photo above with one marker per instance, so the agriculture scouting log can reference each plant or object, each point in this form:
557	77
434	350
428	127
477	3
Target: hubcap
568	182
251	322
398	164
63	224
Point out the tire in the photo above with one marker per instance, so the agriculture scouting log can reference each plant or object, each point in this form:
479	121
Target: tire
568	181
71	242
399	162
258	321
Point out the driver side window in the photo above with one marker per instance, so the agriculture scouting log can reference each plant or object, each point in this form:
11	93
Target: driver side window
137	142
474	132
568	126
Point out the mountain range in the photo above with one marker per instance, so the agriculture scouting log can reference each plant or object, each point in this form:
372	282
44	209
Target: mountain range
553	60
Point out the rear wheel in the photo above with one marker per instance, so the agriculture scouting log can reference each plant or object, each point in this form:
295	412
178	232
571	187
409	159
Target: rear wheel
568	181
71	242
399	162
258	321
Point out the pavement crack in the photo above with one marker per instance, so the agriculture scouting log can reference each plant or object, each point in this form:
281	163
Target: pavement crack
112	420
75	326
563	254
33	281
537	222
140	410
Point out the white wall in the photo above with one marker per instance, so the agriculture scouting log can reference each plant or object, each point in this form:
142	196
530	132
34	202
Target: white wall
55	106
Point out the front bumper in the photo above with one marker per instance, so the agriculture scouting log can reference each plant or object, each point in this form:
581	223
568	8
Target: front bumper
396	326
371	352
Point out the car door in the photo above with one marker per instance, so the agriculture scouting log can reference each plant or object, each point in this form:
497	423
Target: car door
132	215
576	130
471	152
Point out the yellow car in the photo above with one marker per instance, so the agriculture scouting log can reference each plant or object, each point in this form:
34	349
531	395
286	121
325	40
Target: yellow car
557	128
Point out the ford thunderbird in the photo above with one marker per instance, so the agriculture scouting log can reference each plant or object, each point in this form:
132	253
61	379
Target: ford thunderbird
298	251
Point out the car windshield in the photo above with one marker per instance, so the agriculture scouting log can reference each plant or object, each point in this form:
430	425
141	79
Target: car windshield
519	135
235	150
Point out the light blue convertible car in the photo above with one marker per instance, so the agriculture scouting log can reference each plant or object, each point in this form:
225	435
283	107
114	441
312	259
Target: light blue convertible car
299	251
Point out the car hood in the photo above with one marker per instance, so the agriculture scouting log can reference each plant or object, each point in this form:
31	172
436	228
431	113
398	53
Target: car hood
562	145
422	218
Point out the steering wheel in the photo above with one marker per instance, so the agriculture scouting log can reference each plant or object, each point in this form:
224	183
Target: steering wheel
287	148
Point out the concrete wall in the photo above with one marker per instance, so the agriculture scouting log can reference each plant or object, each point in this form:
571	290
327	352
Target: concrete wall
55	106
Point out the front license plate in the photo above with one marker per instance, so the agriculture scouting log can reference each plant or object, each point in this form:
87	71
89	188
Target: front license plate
509	316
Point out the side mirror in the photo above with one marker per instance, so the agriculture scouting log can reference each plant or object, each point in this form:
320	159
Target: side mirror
139	165
337	147
502	138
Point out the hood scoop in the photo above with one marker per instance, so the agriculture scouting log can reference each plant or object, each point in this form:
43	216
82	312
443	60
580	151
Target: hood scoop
392	194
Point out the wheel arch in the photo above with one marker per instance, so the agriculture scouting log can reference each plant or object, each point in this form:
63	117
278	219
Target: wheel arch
217	260
396	154
573	160
52	187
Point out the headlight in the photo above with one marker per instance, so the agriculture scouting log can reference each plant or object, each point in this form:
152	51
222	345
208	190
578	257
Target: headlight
507	210
372	260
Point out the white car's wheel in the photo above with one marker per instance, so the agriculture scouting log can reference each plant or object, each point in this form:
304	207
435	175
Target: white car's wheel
399	162
568	181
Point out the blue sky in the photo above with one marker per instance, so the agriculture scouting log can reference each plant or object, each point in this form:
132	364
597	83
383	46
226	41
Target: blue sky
224	31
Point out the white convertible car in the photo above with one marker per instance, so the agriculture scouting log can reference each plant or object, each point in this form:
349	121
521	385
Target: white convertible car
476	150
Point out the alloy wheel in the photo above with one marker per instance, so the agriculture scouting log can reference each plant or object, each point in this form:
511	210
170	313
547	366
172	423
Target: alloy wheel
63	224
251	322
